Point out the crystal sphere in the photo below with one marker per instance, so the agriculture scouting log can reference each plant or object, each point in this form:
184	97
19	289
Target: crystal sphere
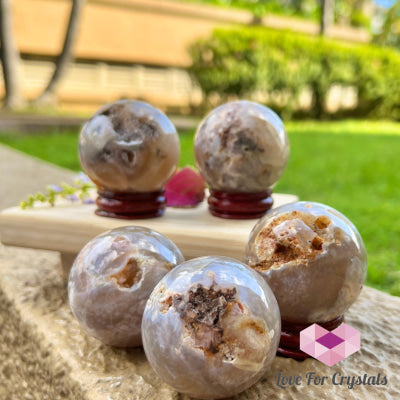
129	146
312	257
112	278
211	327
241	147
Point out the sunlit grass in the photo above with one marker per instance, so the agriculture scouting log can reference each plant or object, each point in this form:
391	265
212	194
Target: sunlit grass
355	127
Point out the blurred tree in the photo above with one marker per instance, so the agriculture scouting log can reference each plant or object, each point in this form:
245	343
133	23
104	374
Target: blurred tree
345	12
11	61
351	12
48	96
9	58
389	34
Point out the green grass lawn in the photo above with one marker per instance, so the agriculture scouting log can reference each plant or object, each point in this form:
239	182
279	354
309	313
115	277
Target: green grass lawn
353	166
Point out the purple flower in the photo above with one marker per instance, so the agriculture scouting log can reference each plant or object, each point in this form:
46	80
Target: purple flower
82	178
88	200
55	188
72	197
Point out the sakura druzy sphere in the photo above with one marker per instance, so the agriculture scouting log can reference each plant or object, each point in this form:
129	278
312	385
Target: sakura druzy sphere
312	257
129	146
211	327
112	278
241	147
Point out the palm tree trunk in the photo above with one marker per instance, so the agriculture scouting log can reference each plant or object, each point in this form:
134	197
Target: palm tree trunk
9	58
48	96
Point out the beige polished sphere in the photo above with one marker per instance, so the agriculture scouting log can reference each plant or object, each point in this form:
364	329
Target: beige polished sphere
129	146
112	278
241	147
312	257
211	327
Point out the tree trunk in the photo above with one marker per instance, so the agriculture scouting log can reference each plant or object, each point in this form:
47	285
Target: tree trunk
318	101
48	96
9	58
327	9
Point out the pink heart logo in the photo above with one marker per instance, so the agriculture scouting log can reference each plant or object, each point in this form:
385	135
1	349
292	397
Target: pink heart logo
330	347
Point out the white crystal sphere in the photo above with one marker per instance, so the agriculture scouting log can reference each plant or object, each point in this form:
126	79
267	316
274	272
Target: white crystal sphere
312	257
211	327
129	146
112	278
241	147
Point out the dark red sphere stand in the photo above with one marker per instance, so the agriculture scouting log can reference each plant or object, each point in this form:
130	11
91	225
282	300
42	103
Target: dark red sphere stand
289	345
239	205
133	205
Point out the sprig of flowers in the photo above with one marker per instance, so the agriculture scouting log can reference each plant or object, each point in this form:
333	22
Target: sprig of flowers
80	191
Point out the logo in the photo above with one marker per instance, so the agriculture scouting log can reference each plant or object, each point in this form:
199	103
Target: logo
330	347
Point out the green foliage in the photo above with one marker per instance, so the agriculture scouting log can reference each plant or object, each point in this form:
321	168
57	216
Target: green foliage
308	9
257	7
358	19
228	65
243	61
346	12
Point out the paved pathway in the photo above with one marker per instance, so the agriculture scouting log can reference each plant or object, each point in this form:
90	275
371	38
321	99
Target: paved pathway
21	175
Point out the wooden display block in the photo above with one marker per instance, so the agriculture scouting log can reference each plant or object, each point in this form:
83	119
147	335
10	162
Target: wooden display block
68	227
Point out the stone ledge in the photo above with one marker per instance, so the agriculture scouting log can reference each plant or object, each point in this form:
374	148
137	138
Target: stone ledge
45	355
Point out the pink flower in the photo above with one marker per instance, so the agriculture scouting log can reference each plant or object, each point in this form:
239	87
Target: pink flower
185	189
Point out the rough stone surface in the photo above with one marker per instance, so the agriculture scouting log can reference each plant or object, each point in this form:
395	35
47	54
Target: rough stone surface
45	355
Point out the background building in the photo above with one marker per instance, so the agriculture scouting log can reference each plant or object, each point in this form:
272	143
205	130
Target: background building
129	48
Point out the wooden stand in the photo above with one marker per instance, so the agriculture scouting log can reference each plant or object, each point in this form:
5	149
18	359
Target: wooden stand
289	345
239	205
130	205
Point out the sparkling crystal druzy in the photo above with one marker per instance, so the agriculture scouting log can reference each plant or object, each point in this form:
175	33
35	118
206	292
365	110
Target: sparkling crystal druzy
211	327
129	146
112	278
241	147
313	258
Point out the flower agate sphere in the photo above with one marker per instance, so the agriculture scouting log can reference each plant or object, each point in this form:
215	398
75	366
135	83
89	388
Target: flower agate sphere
314	260
130	150
112	278
241	149
211	327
